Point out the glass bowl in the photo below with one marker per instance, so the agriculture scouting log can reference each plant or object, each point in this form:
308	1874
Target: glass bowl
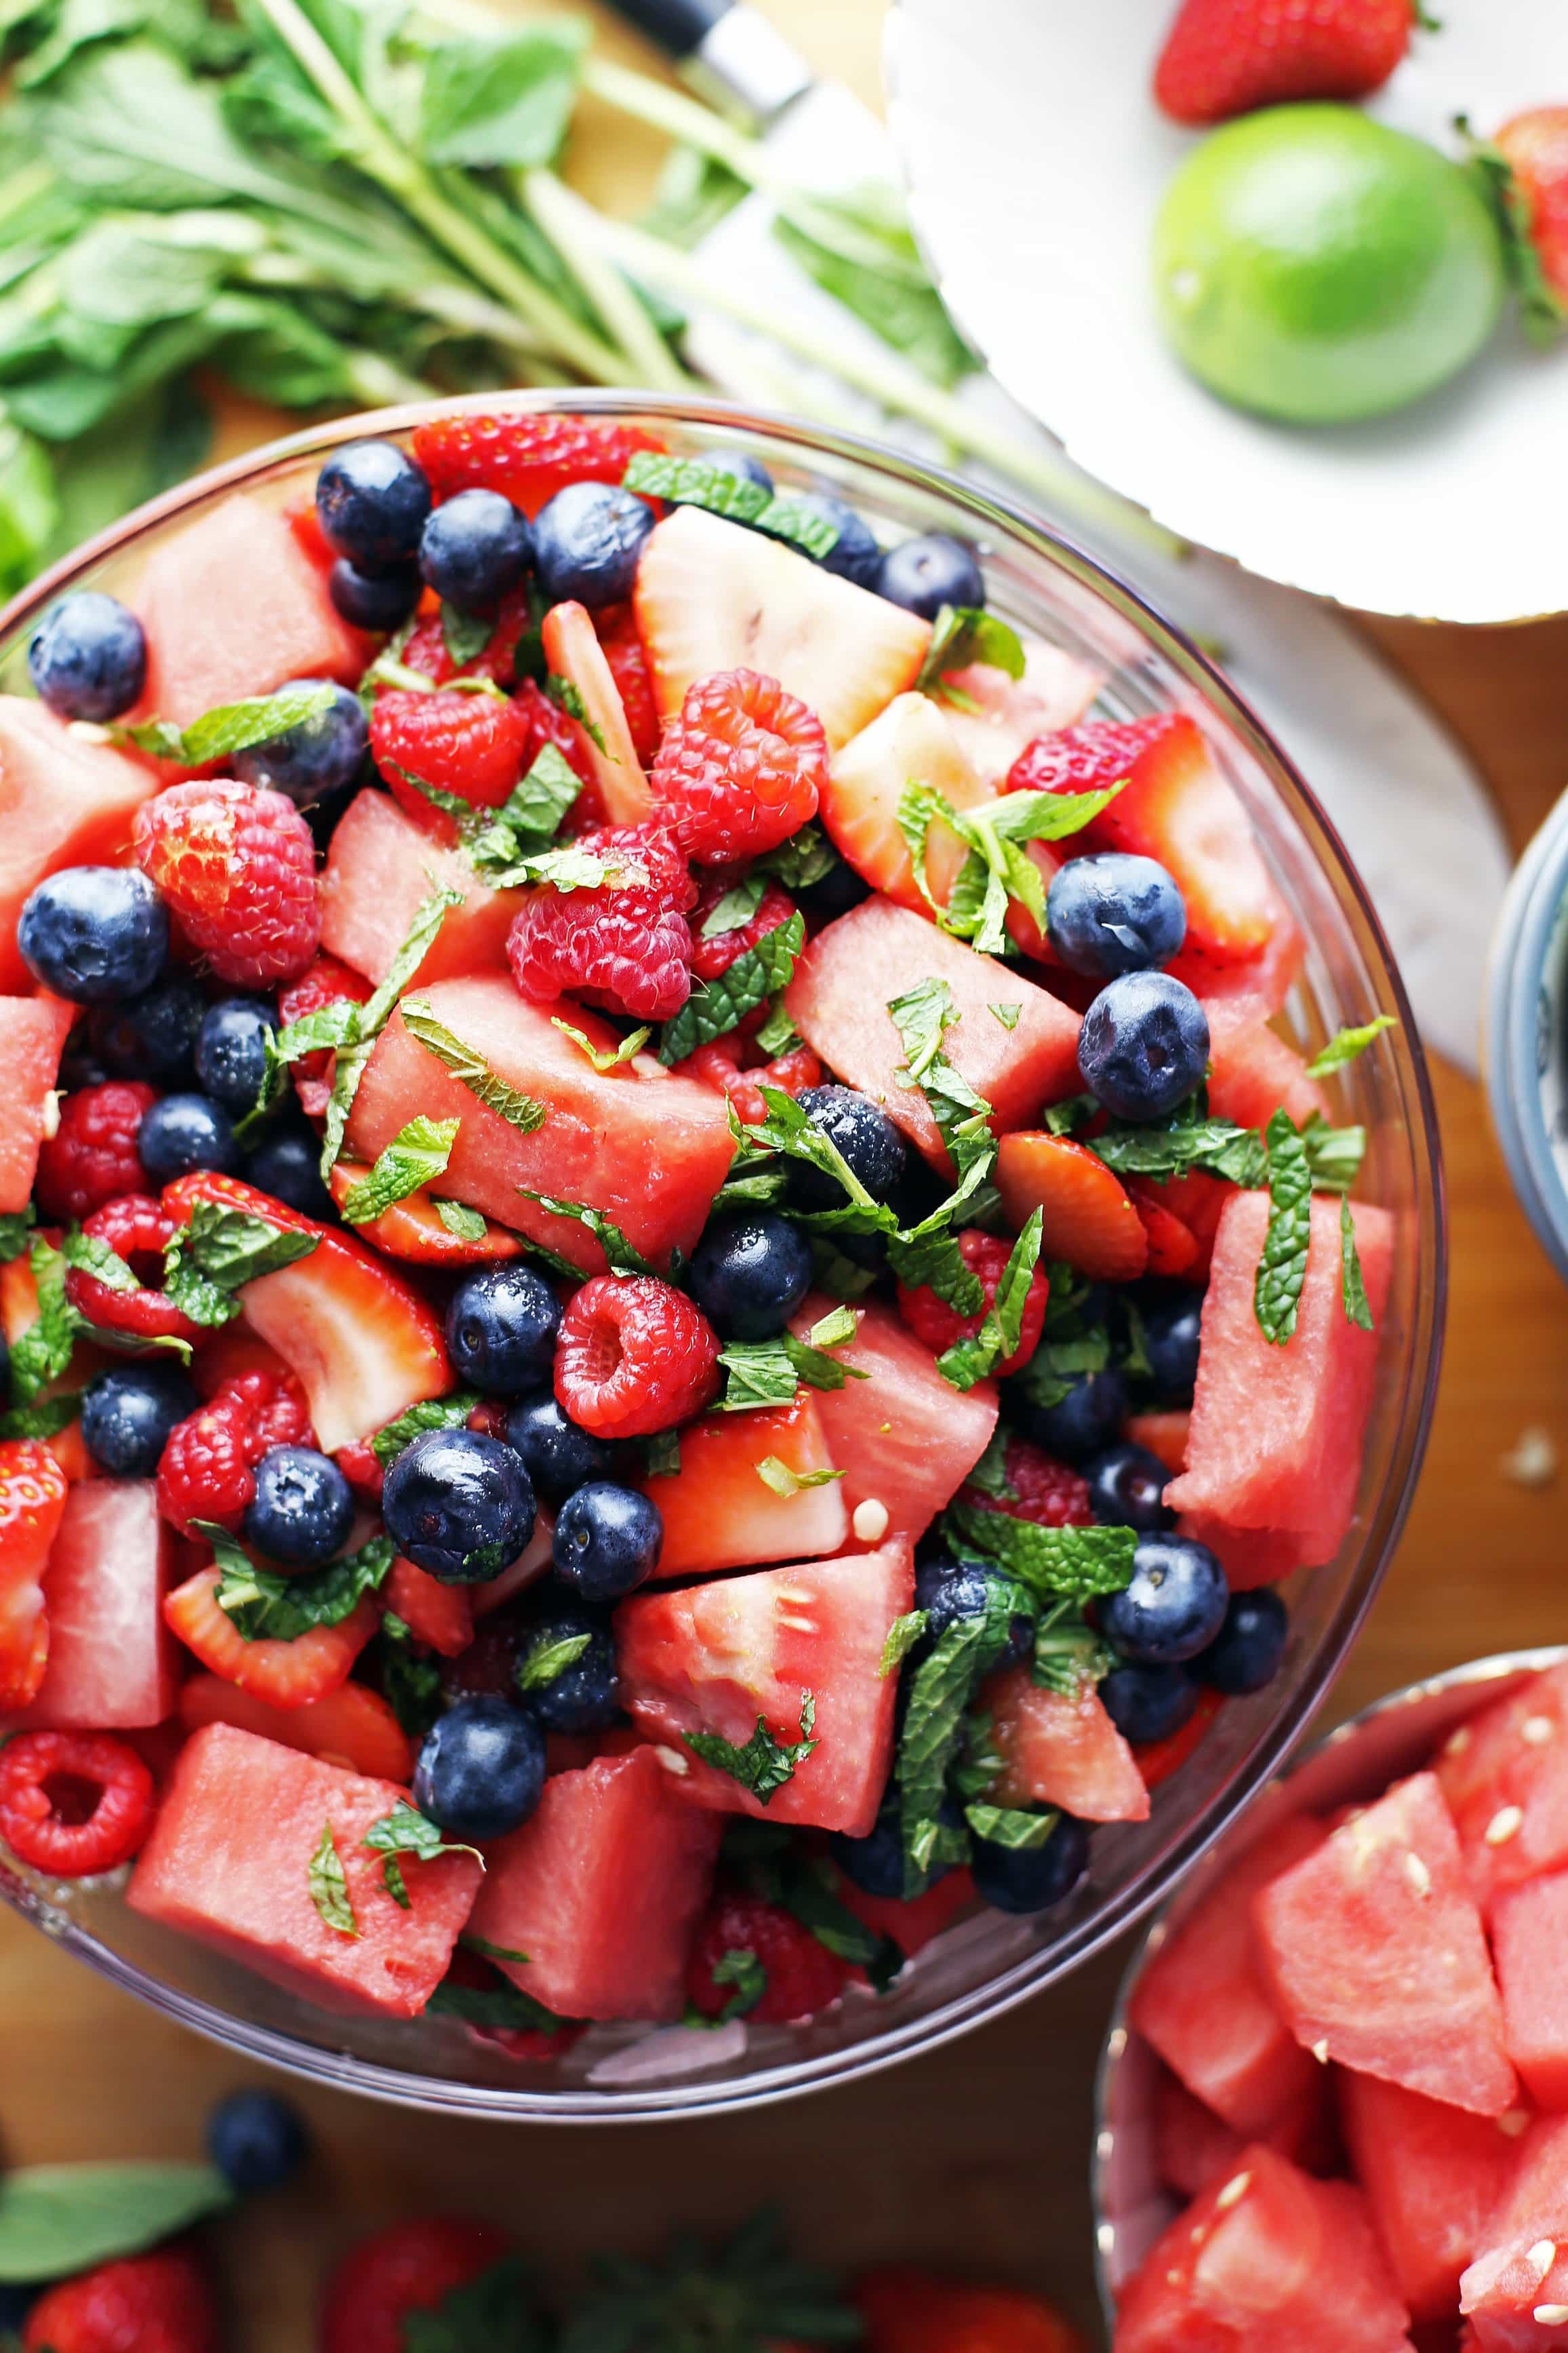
985	1964
1525	1035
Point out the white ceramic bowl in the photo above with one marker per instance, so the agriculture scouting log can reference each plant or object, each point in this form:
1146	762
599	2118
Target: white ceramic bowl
1526	1041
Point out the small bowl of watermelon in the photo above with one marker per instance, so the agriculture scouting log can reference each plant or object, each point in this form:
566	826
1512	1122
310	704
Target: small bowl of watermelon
1332	2108
721	1246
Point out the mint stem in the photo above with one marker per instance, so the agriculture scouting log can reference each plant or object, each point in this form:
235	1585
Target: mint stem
569	223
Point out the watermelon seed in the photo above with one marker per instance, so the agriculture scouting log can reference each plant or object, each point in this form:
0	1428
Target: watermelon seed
1552	2316
1504	1825
1416	1872
1234	2192
1321	2052
672	1760
1458	1742
870	1520
1538	1730
1542	2257
1513	2121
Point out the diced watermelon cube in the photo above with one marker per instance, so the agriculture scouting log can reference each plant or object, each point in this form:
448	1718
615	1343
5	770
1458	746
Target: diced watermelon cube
646	1147
1191	2143
717	1657
1278	1430
1432	2174
229	1862
1249	1557
1000	716
720	1511
1505	1775
234	607
1254	1074
380	866
1203	2003
1376	1957
1530	1938
1515	2292
602	1888
63	802
904	1437
113	1665
1062	1751
33	1033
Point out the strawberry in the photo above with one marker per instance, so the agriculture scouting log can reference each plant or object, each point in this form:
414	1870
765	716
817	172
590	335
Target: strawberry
407	2268
427	652
602	737
527	458
1536	147
798	1975
324	981
74	1803
284	1674
1226	57
911	2311
1089	1218
136	1228
474	746
713	952
352	1726
156	2303
412	1228
617	633
32	1500
442	1616
1173	1247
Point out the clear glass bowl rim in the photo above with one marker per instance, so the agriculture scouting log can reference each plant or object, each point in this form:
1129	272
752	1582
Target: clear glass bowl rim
980	512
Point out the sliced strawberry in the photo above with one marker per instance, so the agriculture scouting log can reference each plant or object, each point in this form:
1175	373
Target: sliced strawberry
412	1228
1198	1200
1178	807
439	1615
352	1726
1163	1434
18	1314
32	1504
527	457
617	633
911	740
1173	1247
324	981
1088	1218
574	654
285	1675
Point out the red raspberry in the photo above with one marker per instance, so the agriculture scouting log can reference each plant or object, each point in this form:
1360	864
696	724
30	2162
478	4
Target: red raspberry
475	745
92	1154
324	981
156	2303
73	1802
634	1356
741	768
528	458
718	1065
803	1977
426	648
408	2267
931	1319
1049	1493
1086	759
238	868
628	658
360	1468
791	1073
137	1228
209	1458
712	955
625	943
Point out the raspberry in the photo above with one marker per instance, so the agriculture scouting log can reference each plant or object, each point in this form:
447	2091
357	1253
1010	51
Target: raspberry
363	1470
715	953
741	769
634	1356
718	1065
324	981
475	745
92	1154
1086	759
138	1229
931	1319
156	2303
803	1977
238	868
1049	1493
426	648
205	1471
624	942
628	658
73	1802
528	458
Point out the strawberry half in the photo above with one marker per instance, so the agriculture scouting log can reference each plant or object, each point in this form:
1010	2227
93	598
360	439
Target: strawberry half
1536	147
352	1726
604	738
1088	1218
32	1501
1226	57
412	1228
284	1674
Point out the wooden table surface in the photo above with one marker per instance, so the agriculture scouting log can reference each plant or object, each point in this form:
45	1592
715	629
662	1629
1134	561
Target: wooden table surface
976	2154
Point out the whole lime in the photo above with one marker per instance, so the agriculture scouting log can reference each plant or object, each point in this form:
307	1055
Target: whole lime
1313	265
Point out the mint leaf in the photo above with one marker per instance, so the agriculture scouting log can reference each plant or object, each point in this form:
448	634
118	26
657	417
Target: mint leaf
411	1686
464	634
528	819
962	633
939	1697
902	1635
808	856
44	1419
990	1474
41	1353
758	1374
60	2219
548	1658
460	1219
721	1004
1082	1563
622	1257
231	727
1191	1140
734	911
221	1249
778	1034
405	1831
769	1861
416	1156
475	1944
90	1255
767	1186
601	1059
16	1232
1051	1371
693	482
492	2314
567	696
765	1763
1346	1044
265	1607
835	1329
1011	1827
371	1018
777	1474
1334	1154
431	1413
470	1069
922	1016
792	1133
968	1361
1282	1269
743	1970
1068	1654
1352	1284
503	2007
1006	1014
328	1882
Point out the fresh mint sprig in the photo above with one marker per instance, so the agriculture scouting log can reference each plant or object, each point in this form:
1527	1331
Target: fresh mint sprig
764	1763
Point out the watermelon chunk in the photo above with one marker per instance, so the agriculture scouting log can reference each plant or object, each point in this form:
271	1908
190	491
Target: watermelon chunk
1192	2144
113	1665
64	801
1516	2290
1505	1776
1432	2175
1266	2260
852	969
1204	2005
1254	1074
1062	1752
1278	1431
379	867
33	1033
904	1437
1249	1557
1374	1952
716	1656
1001	716
234	607
602	1889
720	1513
229	1862
647	1147
1529	1927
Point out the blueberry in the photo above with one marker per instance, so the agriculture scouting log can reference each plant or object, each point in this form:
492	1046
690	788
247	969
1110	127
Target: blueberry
606	1540
876	1862
1094	1407
1245	1654
1114	914
88	657
586	542
923	575
378	601
1031	1879
94	933
1127	1488
186	1132
318	756
255	2140
302	1509
475	548
16	2303
231	1050
558	1456
866	1139
1147	1704
952	1590
152	1036
288	1164
458	1503
501	1329
481	1769
739	465
1145	1045
1173	1607
127	1413
839	889
371	501
750	1273
855	554
1170	1317
586	1695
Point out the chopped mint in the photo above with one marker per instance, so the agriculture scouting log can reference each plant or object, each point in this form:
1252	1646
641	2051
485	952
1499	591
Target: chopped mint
1353	1282
902	1635
1333	1154
922	1016
46	1418
221	1249
416	1156
545	1662
932	1736
16	1232
1346	1044
1011	1826
465	635
734	911
808	856
1006	1014
722	1004
329	1885
741	1969
1189	1140
1282	1269
968	1361
832	1330
765	1763
460	1219
1080	1562
622	1257
405	1831
504	2007
265	1607
231	727
498	840
431	1413
1070	1656
692	482
661	1454
482	1945
411	1686
777	1474
90	1255
470	1069
41	1353
769	1860
997	870
990	1474
601	1058
494	2313
761	1373
778	1034
962	633
371	1018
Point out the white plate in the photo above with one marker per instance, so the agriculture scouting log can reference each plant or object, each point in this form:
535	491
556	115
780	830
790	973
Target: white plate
1037	161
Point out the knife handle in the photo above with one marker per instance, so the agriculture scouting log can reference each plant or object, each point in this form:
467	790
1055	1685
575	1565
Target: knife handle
728	50
677	26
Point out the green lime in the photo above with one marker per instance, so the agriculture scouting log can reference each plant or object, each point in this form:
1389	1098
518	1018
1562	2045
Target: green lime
1313	265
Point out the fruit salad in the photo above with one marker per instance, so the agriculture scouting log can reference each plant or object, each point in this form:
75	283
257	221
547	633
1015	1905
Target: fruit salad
673	1313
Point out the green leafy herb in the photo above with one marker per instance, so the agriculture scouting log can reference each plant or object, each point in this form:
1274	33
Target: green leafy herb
431	1413
1006	1014
768	1859
567	696
661	1454
778	1034
1189	1140
939	1697
233	726
922	1016
762	1373
405	1831
777	1474
620	1254
962	634
693	482
736	2298
60	2219
808	856
765	1763
90	1255
46	1418
721	1004
743	1970
469	1067
482	1945
548	1658
1346	1044
498	841
460	1219
791	1132
990	1474
328	1882
857	245
968	1361
264	1607
601	1056
902	1635
1282	1269
368	1020
834	1330
1011	1827
465	635
1082	1563
40	1354
1353	1282
16	1232
410	1686
1334	1154
492	2314
502	2006
416	1156
221	1249
734	911
1070	1656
